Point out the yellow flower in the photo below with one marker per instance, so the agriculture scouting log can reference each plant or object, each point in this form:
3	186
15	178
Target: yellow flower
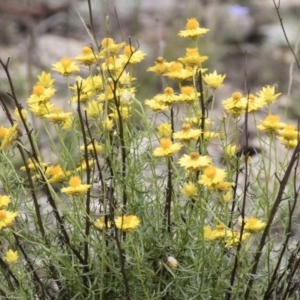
194	161
254	103
45	80
167	148
7	218
34	166
94	109
289	144
108	124
208	234
83	167
178	72
102	223
192	58
235	105
188	94
131	55
168	97
268	94
212	176
230	150
221	186
193	29
125	113
271	124
161	66
23	113
40	94
3	131
11	256
189	190
75	187
253	225
4	201
57	116
55	174
65	66
88	57
40	110
171	262
90	147
234	240
109	47
11	135
127	223
213	80
164	130
156	105
187	134
228	197
289	132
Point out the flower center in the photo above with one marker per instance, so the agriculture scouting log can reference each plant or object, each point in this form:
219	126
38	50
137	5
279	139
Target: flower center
38	90
165	143
186	127
210	171
86	50
192	24
187	90
2	215
176	67
169	91
272	118
191	51
128	50
107	42
160	60
194	155
66	62
236	96
74	181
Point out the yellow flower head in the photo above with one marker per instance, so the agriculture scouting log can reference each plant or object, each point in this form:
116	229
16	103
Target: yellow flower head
23	113
35	166
193	29
271	124
189	190
288	144
168	97
230	150
40	110
289	132
55	174
9	138
4	201
88	57
107	124
212	176
57	116
187	134
3	131
65	67
213	80
156	105
45	80
234	240
188	94
7	218
98	148
192	58
235	105
127	223
94	109
268	94
131	55
194	161
167	148
253	225
254	103
40	94
109	47
75	187
178	72
161	66
101	223
11	256
165	130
